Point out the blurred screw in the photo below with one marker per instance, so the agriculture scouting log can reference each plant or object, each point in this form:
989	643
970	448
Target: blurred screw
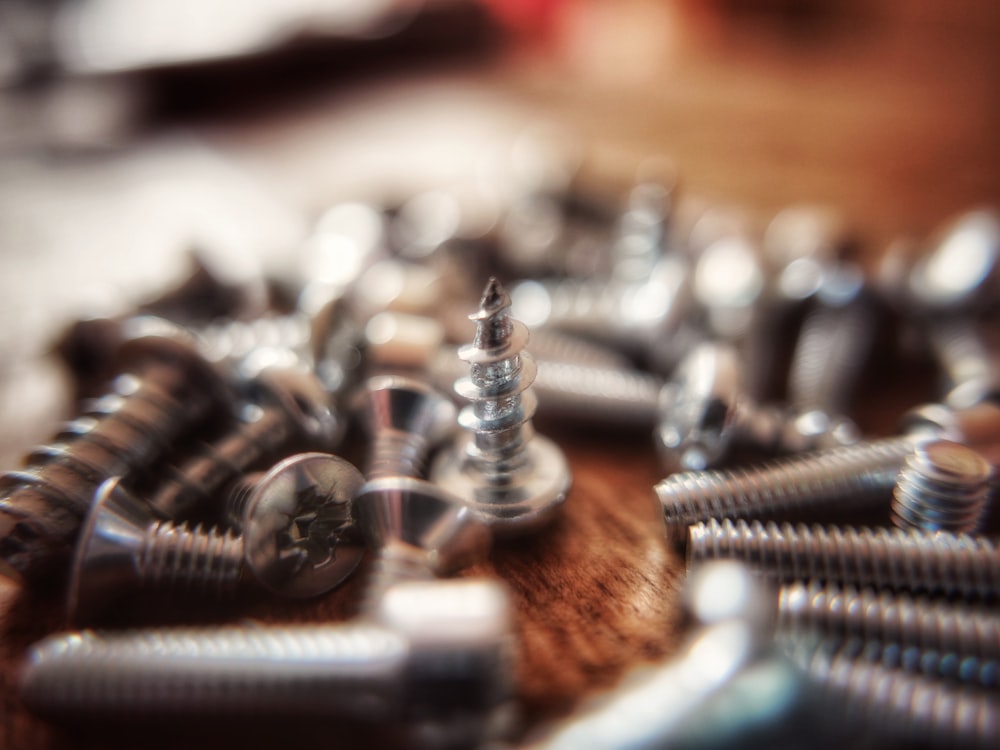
170	390
292	540
514	479
956	565
943	486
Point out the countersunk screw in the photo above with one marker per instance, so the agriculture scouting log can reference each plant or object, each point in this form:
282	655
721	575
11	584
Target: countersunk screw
934	637
170	389
943	486
905	706
514	479
288	406
957	565
292	540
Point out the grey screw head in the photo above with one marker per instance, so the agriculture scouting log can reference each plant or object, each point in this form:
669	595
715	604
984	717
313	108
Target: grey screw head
407	405
296	529
430	520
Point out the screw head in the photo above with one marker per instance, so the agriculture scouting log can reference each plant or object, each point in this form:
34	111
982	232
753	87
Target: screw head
297	531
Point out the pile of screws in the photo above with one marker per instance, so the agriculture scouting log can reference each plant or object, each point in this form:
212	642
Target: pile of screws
213	465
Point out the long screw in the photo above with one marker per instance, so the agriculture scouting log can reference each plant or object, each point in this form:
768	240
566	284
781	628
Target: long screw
956	565
170	389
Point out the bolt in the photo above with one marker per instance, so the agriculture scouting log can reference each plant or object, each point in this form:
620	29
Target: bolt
170	389
959	642
512	478
910	708
293	540
419	529
957	565
441	669
288	406
943	486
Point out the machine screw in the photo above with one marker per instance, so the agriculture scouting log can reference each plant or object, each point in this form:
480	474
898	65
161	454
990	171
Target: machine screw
943	486
170	389
512	478
950	640
293	540
911	708
956	565
289	405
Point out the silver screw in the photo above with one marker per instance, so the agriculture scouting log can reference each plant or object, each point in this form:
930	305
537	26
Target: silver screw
514	479
969	364
170	389
288	405
292	540
908	707
897	629
956	565
440	668
943	486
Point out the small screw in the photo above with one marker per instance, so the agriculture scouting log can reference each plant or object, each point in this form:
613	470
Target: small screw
292	540
956	565
943	486
514	479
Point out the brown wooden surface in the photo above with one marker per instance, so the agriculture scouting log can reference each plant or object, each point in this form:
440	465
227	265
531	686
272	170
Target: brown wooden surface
888	110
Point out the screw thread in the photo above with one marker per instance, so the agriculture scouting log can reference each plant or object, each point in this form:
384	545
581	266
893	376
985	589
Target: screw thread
910	707
934	563
397	454
961	351
556	346
343	670
849	476
233	340
180	558
394	564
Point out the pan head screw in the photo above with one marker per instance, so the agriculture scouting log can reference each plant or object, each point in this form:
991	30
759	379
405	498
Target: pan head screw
512	478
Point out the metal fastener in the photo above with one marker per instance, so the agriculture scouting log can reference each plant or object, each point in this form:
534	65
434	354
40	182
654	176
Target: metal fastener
957	565
292	540
512	478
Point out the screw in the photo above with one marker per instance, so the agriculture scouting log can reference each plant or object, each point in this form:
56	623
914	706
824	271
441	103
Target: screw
949	640
171	388
419	529
512	478
962	351
956	565
943	486
911	708
292	540
441	669
289	405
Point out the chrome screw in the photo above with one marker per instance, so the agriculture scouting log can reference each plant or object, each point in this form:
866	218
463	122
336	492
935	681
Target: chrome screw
514	479
943	486
170	389
293	540
955	565
970	367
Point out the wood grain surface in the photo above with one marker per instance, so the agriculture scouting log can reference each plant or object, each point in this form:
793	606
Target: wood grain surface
888	111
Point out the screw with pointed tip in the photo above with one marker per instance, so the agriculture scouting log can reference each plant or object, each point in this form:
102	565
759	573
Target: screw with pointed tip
169	390
514	479
293	540
937	563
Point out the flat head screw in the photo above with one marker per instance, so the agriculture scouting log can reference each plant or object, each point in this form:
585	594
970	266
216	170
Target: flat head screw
943	486
293	540
514	479
170	388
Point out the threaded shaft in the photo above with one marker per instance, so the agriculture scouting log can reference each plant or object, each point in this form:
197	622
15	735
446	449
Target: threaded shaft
909	707
961	351
556	346
395	563
208	561
849	612
943	486
397	454
850	476
346	670
935	563
233	340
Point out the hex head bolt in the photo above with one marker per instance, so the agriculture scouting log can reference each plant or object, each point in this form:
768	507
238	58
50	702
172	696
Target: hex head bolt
943	486
896	629
170	389
512	478
292	540
438	670
935	563
288	406
419	529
